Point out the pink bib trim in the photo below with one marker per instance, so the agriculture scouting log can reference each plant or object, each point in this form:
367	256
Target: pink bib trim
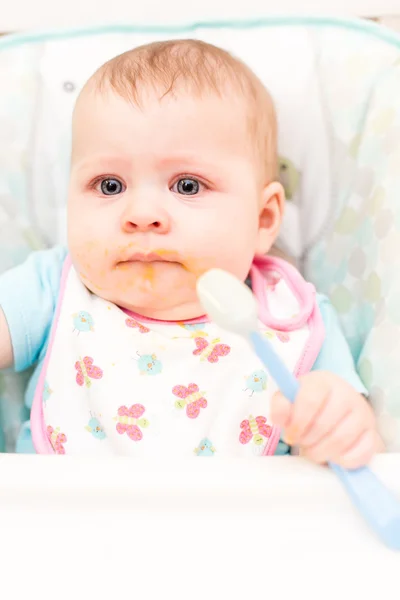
40	438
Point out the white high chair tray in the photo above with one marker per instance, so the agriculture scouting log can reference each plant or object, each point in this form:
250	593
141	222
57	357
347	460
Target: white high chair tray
74	528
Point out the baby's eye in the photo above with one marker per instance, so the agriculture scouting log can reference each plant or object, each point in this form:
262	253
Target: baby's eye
187	187
111	187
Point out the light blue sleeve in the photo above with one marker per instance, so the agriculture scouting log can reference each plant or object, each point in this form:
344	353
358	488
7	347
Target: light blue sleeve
335	355
28	297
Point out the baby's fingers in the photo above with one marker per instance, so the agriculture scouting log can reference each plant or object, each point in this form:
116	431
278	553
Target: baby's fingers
361	453
281	410
351	443
311	399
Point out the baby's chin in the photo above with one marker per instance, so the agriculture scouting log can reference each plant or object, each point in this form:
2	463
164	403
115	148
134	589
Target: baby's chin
166	306
170	297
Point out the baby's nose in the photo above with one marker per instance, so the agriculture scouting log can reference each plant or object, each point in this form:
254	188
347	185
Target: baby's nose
138	225
144	216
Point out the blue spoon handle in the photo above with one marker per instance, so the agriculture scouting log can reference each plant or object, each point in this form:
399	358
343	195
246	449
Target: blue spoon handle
374	501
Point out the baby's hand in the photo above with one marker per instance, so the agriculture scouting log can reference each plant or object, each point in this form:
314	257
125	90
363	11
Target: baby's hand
329	421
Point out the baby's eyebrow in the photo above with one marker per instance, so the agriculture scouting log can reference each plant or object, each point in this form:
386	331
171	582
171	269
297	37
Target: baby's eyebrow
100	162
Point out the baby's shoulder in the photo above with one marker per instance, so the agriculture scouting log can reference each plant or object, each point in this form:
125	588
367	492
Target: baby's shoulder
35	279
45	266
51	259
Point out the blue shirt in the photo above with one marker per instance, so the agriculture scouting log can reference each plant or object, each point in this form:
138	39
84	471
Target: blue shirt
28	298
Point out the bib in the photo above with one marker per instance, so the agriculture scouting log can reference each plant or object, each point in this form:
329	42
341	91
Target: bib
115	383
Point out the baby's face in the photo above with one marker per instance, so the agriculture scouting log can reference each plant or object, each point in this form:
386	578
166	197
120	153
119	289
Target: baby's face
159	195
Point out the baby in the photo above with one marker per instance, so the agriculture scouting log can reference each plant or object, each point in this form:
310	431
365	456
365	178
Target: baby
174	172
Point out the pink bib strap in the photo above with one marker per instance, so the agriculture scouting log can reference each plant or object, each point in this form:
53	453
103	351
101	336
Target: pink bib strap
267	269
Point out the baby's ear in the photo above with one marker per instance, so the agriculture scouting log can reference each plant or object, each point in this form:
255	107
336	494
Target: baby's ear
271	215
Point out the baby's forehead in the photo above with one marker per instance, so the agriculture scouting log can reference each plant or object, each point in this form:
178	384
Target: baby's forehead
151	105
185	124
240	97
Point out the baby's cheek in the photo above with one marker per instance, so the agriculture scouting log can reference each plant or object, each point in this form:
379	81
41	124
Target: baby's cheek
236	259
85	252
228	257
89	257
229	245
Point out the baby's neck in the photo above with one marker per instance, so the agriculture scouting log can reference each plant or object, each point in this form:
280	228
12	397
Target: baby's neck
191	311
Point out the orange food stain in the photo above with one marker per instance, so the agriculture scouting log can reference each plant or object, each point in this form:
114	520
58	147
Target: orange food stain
85	277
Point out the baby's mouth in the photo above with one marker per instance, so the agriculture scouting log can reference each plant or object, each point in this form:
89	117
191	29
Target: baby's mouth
150	258
159	258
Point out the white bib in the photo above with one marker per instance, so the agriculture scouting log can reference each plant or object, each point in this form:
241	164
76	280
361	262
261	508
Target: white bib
116	383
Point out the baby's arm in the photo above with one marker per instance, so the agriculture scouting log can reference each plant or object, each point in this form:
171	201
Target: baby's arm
28	296
335	355
6	351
